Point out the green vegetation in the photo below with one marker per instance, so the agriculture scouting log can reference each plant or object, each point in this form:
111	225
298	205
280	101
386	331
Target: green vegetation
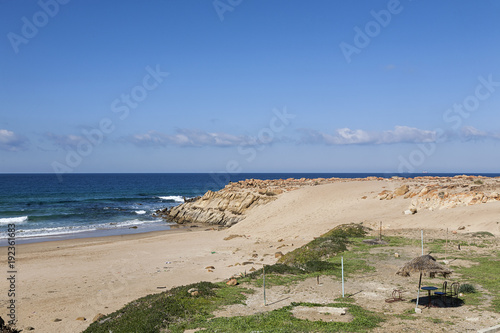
483	234
467	288
282	320
175	308
486	275
318	257
325	246
478	182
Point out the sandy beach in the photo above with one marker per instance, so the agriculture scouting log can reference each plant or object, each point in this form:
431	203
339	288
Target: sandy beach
61	281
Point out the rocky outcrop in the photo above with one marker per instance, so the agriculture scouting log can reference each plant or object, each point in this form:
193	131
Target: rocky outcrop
434	193
221	208
230	205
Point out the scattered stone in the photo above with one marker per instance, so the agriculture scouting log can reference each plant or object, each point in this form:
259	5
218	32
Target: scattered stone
194	292
417	310
411	211
210	271
401	190
278	254
29	328
233	236
97	317
280	240
247	263
396	255
81	318
364	197
461	228
255	255
232	282
252	269
57	320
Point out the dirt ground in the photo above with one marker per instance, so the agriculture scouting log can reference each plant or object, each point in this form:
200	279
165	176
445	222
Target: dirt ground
370	291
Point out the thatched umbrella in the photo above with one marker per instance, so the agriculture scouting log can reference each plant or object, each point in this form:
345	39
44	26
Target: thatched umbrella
425	264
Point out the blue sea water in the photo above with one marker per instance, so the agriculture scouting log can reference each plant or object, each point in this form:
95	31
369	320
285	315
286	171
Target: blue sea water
84	205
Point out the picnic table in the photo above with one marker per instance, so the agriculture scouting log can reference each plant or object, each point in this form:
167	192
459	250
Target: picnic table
429	289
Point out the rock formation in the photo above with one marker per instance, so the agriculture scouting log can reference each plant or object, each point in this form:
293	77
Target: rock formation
229	205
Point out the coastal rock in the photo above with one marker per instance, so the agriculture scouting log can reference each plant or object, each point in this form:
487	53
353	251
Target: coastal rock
232	282
81	318
278	255
230	205
401	190
97	317
194	292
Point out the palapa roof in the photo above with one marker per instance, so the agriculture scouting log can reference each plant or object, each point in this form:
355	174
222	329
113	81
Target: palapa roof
425	264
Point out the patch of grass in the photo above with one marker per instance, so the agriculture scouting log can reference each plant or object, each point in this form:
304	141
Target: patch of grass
325	246
282	320
401	241
405	316
478	182
486	275
174	309
482	234
467	288
318	257
435	320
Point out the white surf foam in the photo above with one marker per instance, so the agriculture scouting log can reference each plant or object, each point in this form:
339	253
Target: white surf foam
9	220
55	231
176	198
140	212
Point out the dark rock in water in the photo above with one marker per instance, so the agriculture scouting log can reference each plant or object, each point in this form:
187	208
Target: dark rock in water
133	227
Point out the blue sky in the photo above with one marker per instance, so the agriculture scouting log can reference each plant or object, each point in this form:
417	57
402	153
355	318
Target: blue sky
249	86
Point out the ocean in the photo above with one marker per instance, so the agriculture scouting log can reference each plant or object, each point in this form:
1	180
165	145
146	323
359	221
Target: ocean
88	205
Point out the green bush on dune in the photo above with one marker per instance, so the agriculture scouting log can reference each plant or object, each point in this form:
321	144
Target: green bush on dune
323	247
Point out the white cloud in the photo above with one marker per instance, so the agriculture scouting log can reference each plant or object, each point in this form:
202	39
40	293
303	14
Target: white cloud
12	142
347	136
66	141
472	133
188	137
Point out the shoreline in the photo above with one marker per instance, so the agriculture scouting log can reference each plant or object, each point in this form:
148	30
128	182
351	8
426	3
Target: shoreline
90	234
91	238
